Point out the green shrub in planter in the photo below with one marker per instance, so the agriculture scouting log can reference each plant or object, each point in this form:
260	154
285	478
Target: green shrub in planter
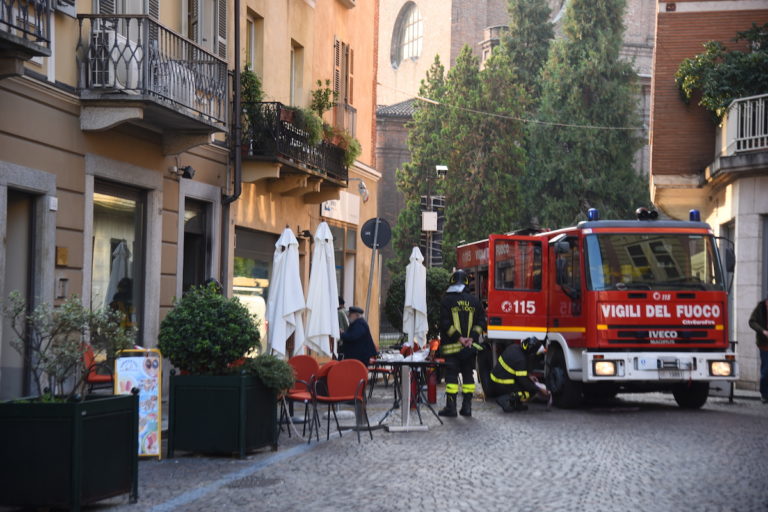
275	373
206	332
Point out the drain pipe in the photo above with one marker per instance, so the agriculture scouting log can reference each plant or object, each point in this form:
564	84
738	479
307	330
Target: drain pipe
235	156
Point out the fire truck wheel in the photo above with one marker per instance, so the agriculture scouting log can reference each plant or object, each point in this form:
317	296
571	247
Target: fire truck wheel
691	395
566	393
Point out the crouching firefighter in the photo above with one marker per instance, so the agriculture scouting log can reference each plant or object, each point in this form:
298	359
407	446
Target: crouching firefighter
510	378
462	323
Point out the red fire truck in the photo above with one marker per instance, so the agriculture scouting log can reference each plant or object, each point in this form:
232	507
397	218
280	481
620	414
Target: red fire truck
636	305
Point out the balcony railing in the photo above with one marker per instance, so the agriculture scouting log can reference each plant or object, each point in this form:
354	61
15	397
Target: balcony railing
135	55
269	134
26	24
745	127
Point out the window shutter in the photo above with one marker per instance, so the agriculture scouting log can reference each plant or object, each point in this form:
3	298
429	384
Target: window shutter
154	9
106	7
193	13
351	76
337	68
221	41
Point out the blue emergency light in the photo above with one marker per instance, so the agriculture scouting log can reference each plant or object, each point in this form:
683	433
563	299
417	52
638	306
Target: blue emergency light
593	214
694	216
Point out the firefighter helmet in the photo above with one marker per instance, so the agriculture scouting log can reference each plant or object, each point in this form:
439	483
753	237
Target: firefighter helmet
459	277
531	346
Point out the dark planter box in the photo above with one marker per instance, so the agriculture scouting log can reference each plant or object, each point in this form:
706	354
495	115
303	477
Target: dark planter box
69	454
220	414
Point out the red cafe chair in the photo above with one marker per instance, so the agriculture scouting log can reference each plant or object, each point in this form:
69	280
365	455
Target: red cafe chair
304	368
346	385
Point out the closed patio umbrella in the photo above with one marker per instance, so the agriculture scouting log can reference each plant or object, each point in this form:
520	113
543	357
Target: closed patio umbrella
322	296
285	305
415	323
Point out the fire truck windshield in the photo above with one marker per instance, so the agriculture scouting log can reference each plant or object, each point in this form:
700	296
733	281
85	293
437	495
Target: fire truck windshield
652	261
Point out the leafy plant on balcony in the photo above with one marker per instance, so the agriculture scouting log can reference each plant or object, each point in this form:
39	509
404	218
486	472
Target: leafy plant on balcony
723	75
308	121
251	96
323	98
352	151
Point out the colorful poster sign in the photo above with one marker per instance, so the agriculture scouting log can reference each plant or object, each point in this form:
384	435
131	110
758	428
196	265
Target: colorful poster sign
143	369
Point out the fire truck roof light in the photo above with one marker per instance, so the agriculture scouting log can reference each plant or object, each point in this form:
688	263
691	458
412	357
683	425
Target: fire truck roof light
593	214
694	216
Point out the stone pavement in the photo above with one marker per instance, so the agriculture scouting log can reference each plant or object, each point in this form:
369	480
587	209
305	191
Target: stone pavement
638	453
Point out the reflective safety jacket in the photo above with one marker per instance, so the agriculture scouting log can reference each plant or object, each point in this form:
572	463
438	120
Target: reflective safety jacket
512	368
461	315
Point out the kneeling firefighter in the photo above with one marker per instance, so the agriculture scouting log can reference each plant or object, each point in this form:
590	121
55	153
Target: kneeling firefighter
510	377
462	323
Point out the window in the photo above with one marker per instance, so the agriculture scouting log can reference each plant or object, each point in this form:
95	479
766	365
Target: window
254	252
517	265
407	35
254	46
297	73
197	243
118	251
344	254
345	116
652	262
207	25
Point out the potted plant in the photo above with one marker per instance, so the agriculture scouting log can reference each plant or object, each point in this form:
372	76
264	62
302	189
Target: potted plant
251	96
310	123
66	450
323	98
221	402
352	150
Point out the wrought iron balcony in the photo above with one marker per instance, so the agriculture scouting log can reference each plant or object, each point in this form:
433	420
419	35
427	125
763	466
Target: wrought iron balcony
132	58
744	127
270	134
25	28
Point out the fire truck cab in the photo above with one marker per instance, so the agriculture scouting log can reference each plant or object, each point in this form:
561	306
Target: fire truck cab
636	305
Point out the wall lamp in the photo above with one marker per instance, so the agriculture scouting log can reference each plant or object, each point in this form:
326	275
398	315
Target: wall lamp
187	171
361	189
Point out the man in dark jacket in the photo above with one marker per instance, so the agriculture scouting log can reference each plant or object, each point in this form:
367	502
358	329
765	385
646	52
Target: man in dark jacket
510	377
759	322
357	342
462	322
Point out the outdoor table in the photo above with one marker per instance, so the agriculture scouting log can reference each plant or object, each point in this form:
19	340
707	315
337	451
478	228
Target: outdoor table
402	390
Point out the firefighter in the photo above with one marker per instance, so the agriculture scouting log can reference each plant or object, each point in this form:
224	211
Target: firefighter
462	323
510	378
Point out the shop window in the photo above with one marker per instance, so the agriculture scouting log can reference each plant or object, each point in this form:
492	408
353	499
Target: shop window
254	252
119	215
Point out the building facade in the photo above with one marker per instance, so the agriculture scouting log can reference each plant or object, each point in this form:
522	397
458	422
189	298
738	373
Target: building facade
721	170
117	168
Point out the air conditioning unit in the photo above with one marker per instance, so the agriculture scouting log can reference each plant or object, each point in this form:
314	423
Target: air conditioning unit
115	61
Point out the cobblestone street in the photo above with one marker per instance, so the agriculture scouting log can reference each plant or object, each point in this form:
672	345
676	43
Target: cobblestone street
637	453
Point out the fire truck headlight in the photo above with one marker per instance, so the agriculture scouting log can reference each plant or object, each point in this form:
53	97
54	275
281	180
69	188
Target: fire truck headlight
721	368
604	368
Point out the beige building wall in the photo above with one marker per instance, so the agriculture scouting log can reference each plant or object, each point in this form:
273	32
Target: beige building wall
311	28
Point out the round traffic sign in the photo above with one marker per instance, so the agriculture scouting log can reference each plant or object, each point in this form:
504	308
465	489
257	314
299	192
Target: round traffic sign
368	231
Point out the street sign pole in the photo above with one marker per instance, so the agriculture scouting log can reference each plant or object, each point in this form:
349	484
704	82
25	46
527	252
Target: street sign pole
373	262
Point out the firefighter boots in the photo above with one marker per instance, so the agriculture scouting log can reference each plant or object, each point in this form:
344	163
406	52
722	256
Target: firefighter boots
450	406
466	405
517	403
